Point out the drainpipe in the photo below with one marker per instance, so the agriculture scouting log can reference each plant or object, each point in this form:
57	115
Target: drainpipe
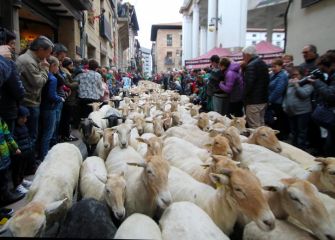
286	23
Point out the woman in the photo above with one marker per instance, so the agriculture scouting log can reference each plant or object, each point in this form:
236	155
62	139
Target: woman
232	85
277	88
297	105
50	100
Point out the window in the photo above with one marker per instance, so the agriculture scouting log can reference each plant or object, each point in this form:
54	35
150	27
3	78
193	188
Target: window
169	40
181	40
253	42
278	35
278	44
254	35
168	58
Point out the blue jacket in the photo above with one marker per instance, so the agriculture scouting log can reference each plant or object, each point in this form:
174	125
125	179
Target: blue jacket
277	87
50	97
22	137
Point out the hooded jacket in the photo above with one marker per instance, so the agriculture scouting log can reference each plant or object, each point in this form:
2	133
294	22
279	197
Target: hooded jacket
233	83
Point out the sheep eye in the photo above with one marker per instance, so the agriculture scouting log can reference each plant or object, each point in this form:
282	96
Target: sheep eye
263	134
294	198
331	172
108	191
238	189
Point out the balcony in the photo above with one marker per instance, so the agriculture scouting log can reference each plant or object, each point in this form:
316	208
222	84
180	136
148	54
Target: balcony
168	61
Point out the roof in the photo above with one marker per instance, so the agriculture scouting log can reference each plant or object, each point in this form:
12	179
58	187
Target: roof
154	28
264	49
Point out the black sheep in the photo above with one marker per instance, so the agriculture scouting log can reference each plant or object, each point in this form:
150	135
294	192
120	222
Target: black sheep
88	218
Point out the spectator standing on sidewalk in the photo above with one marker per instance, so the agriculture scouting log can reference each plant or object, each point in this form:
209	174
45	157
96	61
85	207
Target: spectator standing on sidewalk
21	161
34	68
50	99
90	88
256	81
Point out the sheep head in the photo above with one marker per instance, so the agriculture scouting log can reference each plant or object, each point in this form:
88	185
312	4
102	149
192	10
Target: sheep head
266	137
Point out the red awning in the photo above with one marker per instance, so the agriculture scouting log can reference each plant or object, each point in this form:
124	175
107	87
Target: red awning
265	50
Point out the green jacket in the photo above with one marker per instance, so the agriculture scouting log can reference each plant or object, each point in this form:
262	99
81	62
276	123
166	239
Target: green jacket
33	77
7	145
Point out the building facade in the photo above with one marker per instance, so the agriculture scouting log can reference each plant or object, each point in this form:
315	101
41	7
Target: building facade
99	29
212	23
147	62
168	46
256	35
310	24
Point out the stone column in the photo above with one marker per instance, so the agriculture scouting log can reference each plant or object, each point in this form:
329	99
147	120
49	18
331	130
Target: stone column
269	23
187	38
212	13
195	31
203	40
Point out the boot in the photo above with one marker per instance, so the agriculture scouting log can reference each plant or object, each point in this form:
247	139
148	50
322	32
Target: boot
9	198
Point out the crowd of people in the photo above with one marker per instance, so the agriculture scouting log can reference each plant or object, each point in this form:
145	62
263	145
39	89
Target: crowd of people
44	94
299	101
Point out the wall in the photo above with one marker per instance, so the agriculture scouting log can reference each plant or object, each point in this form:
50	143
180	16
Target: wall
162	49
69	35
92	31
312	25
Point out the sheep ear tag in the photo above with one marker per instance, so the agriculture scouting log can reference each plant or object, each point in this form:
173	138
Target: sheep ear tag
218	185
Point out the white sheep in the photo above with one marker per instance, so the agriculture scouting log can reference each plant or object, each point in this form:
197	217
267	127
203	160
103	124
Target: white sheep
105	144
283	231
51	192
185	220
138	226
297	155
95	183
237	191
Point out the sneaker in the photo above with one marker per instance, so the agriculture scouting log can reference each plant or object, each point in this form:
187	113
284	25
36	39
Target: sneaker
21	189
26	183
6	211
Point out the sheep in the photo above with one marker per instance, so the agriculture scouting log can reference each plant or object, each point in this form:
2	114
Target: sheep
239	123
50	194
238	190
91	134
105	144
95	183
266	137
98	117
232	134
297	155
88	218
194	111
139	122
147	190
167	122
300	200
175	119
184	100
323	175
138	226
123	135
203	121
283	231
185	220
154	145
257	154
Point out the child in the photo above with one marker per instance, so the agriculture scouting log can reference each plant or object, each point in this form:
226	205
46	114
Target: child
21	161
7	146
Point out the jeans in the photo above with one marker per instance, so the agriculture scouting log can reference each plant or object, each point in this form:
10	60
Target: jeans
299	128
58	109
49	125
33	123
221	105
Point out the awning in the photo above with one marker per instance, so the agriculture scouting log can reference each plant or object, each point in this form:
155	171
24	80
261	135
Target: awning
264	49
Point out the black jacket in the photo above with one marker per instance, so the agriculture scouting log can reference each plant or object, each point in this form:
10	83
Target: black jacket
326	91
214	81
12	92
256	82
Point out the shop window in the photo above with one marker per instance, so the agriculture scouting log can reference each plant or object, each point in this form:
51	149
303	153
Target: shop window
169	40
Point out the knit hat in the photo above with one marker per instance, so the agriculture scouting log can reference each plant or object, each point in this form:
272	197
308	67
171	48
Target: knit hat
66	62
23	112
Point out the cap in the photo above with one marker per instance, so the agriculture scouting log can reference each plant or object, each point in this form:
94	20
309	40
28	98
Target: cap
23	112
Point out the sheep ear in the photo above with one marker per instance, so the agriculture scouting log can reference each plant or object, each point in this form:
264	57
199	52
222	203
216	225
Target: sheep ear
272	188
216	158
142	140
53	207
276	131
288	181
205	165
322	160
219	179
138	164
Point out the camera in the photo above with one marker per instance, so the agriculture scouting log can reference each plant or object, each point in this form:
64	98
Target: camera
315	74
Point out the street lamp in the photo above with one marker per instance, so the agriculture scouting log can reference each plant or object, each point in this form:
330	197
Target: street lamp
212	26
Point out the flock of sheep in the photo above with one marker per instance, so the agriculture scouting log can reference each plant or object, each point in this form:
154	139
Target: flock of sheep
164	171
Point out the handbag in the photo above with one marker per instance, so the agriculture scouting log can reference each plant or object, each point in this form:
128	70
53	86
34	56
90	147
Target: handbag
324	116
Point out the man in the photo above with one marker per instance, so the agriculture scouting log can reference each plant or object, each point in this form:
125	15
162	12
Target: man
256	81
34	68
216	96
309	53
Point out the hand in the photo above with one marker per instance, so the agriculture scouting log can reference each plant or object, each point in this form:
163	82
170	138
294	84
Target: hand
311	80
5	51
44	63
63	100
18	151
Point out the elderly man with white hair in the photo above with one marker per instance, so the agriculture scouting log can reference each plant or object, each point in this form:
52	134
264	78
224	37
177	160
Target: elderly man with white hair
256	81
